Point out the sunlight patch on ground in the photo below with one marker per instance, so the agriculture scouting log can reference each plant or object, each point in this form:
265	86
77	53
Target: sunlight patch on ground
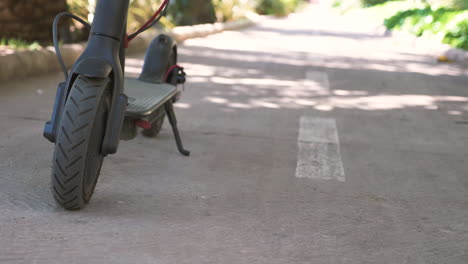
340	100
134	62
182	105
387	102
132	71
223	54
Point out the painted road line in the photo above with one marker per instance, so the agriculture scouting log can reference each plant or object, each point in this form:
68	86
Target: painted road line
319	150
316	83
320	78
316	59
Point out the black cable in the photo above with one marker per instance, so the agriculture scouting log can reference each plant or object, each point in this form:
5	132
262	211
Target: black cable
88	26
55	37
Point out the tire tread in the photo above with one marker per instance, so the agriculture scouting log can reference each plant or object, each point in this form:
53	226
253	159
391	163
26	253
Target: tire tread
71	146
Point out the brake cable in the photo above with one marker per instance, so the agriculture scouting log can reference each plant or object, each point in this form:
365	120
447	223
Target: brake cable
55	37
150	23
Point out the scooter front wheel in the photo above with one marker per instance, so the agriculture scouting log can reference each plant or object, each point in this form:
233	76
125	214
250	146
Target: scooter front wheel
78	153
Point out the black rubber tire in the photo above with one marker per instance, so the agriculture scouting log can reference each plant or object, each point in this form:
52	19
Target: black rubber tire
78	157
157	125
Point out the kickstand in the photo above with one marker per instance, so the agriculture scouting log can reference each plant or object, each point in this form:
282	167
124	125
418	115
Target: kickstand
173	121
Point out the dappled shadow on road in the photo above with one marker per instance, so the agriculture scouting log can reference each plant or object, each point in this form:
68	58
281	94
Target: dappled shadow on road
248	80
240	94
224	84
251	86
318	33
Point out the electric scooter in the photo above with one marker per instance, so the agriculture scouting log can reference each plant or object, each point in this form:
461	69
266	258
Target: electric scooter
97	106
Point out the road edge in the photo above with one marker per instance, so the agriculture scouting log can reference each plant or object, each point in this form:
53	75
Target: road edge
25	63
440	51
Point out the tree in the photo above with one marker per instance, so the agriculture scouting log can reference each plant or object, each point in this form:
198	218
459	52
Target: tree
29	20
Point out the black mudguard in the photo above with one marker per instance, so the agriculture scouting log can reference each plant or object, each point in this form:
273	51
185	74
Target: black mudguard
157	59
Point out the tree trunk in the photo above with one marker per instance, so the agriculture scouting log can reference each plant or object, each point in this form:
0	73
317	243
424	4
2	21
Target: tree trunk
192	12
29	20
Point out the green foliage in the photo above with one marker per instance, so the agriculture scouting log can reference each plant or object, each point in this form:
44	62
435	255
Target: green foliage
78	7
19	44
367	3
227	10
460	4
191	12
277	7
451	25
336	3
141	10
457	32
415	20
454	4
271	7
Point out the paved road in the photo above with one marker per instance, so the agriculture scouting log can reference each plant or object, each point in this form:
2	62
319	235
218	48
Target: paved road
312	142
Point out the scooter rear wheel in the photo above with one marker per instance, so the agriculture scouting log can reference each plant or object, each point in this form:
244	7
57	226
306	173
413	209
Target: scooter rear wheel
78	153
157	125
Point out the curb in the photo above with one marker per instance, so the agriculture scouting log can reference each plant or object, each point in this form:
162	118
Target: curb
442	52
26	63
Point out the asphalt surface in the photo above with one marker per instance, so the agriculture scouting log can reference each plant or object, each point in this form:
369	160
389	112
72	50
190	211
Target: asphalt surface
398	156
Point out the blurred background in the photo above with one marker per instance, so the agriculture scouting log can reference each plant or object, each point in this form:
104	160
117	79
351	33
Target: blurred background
27	23
23	23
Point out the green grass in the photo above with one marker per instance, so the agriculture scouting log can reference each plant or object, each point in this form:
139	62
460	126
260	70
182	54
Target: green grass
19	44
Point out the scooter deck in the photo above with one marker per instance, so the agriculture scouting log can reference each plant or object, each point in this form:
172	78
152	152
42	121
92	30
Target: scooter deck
144	97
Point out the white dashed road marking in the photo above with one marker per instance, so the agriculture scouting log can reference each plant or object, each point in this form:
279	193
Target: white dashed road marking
318	143
319	150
